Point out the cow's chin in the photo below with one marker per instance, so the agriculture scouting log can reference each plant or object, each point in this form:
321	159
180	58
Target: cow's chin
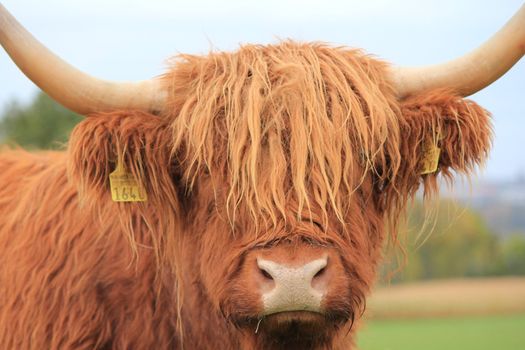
294	330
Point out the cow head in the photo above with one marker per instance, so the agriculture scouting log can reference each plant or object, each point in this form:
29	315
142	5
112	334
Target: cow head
272	173
282	165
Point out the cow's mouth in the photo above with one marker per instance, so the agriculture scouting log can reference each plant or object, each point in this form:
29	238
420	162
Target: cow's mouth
308	324
295	330
287	322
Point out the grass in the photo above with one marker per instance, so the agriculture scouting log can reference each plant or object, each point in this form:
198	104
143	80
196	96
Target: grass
478	314
478	333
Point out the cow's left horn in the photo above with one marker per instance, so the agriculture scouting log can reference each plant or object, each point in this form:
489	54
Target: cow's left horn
470	73
69	86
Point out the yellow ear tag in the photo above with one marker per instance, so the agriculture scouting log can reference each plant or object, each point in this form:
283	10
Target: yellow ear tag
124	187
430	157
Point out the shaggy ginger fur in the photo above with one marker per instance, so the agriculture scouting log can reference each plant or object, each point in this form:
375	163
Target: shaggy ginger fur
271	146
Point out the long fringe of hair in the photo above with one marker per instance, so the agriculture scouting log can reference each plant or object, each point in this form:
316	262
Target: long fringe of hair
301	122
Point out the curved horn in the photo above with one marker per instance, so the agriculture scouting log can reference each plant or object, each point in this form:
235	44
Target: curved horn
472	72
69	86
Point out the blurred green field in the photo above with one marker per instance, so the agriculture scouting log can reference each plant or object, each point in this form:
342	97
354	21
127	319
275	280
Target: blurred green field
477	314
476	333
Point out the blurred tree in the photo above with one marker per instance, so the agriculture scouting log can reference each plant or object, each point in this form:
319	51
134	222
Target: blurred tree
447	241
513	251
43	124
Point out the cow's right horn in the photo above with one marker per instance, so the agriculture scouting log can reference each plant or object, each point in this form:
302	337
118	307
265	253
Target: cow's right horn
69	86
472	72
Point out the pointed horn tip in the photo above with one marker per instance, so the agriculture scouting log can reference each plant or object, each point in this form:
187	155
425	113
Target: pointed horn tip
472	72
69	86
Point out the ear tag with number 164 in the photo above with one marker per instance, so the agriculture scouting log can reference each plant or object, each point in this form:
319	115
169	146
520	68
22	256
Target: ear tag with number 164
430	157
124	187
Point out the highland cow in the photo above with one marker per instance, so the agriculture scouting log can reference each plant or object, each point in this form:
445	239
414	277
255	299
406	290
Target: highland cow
269	179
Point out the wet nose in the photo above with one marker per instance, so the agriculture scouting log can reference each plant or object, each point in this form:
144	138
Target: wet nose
293	288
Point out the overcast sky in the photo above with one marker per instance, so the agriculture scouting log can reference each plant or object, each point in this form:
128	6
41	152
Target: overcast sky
128	40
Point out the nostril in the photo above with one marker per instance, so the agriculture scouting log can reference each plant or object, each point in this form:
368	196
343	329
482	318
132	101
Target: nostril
265	274
321	278
320	273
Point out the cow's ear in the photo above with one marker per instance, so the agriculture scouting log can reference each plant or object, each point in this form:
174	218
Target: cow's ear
458	127
139	141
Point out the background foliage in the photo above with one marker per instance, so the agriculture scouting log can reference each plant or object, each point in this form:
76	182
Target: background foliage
447	240
43	124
